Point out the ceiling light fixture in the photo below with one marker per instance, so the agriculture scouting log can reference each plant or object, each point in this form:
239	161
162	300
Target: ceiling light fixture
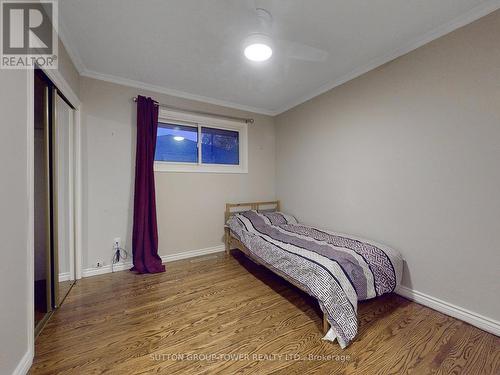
258	52
258	47
178	138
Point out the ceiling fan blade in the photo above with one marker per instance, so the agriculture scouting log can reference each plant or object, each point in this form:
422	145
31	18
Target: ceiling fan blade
289	49
303	52
265	19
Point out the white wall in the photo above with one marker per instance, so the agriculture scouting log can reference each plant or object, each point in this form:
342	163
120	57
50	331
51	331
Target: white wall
409	155
14	267
190	206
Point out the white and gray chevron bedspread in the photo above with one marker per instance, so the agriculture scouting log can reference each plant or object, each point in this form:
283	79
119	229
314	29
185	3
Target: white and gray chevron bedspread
337	269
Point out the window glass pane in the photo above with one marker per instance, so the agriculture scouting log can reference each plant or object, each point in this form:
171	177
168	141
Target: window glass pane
219	146
177	143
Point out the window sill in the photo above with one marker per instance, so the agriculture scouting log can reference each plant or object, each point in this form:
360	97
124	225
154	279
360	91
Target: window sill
196	168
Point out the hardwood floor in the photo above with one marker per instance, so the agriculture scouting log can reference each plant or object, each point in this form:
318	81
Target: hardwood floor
240	318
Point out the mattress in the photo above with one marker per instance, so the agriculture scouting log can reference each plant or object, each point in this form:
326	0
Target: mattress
337	269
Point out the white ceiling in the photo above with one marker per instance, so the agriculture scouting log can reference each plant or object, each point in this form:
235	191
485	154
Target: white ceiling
192	48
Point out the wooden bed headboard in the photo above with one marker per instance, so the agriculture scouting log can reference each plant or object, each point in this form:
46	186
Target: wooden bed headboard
251	206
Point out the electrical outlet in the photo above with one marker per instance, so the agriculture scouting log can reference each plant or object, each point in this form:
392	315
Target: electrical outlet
99	264
117	242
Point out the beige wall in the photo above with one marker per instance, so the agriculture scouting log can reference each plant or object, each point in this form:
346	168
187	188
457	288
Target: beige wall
190	206
14	267
409	155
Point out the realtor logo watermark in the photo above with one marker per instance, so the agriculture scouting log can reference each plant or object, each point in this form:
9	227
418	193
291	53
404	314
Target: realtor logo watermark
29	34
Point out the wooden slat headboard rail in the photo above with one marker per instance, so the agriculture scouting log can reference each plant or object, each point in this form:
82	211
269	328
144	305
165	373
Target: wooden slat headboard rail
251	206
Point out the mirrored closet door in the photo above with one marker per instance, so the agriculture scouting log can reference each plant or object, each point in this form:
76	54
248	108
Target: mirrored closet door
63	170
42	201
54	249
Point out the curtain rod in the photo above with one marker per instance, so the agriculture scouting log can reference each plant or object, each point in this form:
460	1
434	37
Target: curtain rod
247	120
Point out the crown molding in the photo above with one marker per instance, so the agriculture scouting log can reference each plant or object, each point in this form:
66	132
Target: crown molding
173	92
469	17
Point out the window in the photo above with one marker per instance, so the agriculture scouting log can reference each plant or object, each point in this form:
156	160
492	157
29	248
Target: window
177	143
219	146
193	143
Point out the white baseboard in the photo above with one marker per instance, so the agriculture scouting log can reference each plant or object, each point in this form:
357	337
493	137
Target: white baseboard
64	276
477	320
93	271
192	253
24	364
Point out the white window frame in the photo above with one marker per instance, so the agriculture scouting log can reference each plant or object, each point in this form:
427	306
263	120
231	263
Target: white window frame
183	118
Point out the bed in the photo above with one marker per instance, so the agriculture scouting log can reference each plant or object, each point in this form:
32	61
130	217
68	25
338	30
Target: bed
337	269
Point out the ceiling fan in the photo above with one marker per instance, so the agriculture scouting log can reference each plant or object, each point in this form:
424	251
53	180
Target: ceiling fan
259	45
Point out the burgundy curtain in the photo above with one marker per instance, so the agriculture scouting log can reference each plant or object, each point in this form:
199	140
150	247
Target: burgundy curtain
145	231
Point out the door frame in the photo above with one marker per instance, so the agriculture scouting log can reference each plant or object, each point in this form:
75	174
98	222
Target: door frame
62	85
75	168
